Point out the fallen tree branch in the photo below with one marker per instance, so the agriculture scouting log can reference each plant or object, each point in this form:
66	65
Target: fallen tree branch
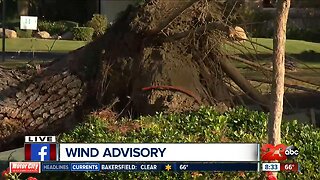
177	36
176	13
250	63
286	85
243	83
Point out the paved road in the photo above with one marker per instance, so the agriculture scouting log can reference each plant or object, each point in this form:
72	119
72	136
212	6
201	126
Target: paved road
30	55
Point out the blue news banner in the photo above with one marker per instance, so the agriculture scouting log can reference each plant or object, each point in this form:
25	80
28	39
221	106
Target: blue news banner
138	167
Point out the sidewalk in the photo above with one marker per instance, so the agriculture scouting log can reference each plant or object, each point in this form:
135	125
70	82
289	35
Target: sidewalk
16	155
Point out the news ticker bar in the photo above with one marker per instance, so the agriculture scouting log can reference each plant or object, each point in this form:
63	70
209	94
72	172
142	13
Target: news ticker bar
37	167
143	152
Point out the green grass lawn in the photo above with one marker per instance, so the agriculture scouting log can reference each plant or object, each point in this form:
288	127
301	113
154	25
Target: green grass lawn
41	45
292	46
303	50
305	54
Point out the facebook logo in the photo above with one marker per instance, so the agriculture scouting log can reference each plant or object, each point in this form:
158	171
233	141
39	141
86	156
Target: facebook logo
40	152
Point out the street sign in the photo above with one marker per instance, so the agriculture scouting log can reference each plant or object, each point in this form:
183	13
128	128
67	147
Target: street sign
29	22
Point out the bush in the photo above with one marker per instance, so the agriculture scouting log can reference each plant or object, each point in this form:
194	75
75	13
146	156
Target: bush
206	125
52	28
69	25
12	24
99	24
58	27
23	33
260	24
257	22
83	33
312	35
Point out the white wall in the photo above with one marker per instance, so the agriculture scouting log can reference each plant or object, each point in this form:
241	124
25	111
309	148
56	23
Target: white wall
111	8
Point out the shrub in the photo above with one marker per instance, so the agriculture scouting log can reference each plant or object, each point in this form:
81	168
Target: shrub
23	33
51	27
13	23
58	28
257	22
205	125
140	2
69	25
99	24
83	33
312	35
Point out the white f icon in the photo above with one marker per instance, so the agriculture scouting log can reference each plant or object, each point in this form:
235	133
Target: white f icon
42	153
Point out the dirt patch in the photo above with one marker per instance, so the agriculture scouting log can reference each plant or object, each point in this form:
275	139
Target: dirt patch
165	66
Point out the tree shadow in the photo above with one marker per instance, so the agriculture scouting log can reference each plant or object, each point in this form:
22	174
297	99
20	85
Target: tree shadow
308	56
305	56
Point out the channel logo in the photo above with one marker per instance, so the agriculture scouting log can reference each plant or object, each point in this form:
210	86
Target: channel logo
40	152
24	167
279	152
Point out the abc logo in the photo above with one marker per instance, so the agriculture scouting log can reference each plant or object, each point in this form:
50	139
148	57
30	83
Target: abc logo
291	152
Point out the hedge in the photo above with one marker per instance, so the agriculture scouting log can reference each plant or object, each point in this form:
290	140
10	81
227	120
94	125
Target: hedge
205	125
57	28
83	33
23	33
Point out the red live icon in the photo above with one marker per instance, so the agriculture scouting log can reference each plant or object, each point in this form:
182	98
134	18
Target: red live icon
294	167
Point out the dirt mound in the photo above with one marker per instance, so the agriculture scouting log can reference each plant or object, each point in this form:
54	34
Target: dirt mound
169	66
175	75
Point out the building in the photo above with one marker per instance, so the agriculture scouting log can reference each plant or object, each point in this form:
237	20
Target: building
72	10
112	8
80	10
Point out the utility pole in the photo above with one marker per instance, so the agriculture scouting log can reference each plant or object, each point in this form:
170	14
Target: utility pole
3	30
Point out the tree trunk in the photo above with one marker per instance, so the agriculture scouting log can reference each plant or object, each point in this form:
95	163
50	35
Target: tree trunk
278	72
23	7
277	92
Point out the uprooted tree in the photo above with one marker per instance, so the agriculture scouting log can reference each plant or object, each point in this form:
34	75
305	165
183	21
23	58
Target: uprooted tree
163	55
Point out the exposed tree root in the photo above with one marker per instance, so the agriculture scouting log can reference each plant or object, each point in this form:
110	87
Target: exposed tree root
189	93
